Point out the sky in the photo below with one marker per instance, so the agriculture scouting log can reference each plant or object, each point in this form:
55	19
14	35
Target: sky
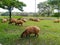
29	8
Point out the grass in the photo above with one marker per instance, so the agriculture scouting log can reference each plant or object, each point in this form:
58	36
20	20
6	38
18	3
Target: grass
49	33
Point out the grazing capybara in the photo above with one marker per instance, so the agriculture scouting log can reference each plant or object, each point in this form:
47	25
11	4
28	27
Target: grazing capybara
30	30
24	20
32	19
19	22
37	20
13	20
4	20
56	21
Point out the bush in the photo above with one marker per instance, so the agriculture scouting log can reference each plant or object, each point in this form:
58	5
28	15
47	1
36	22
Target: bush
56	15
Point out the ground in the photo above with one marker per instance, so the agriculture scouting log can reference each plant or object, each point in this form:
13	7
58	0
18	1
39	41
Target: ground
49	33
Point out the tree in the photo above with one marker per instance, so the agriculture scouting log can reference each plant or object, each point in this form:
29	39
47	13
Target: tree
55	4
44	8
10	4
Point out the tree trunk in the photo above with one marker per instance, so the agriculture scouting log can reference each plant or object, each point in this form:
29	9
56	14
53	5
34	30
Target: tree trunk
48	14
9	15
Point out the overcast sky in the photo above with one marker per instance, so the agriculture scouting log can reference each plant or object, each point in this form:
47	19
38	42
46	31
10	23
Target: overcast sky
30	6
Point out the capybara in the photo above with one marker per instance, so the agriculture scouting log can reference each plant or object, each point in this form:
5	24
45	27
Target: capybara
30	30
24	20
56	21
36	19
4	20
13	20
19	22
32	19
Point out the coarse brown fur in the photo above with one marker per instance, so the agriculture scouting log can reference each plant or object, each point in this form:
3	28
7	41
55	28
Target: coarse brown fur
13	20
4	20
30	30
56	21
19	22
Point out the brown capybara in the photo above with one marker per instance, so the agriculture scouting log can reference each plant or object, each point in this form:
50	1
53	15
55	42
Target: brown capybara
32	19
56	21
24	20
13	20
4	20
30	30
19	22
36	19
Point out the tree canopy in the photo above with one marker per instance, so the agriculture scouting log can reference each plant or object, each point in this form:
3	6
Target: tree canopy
44	8
10	4
6	4
55	4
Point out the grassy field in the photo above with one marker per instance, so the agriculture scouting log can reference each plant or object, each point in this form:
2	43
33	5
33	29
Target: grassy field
49	33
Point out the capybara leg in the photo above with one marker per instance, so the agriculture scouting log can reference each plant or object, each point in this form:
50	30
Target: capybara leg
17	24
36	35
21	25
28	35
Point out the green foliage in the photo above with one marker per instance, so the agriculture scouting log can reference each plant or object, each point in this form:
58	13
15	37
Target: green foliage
5	4
56	15
44	9
54	3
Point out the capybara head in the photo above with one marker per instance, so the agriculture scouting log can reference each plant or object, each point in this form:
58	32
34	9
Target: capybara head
23	34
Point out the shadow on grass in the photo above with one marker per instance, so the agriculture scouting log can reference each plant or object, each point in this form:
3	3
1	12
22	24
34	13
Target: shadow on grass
46	26
27	41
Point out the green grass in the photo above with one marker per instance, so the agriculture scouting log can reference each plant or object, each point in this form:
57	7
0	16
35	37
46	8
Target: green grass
49	33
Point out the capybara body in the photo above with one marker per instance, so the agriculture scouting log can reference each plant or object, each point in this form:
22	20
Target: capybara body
37	20
56	21
30	30
19	22
32	19
13	20
4	20
24	20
